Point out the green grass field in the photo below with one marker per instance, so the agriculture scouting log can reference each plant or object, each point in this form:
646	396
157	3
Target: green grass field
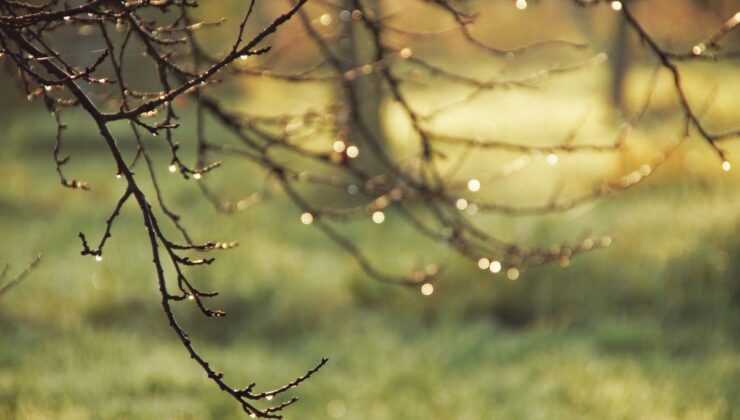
646	329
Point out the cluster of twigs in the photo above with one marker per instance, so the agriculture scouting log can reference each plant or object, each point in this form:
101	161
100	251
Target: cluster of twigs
356	164
26	40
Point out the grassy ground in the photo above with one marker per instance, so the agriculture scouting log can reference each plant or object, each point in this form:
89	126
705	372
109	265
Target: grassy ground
645	329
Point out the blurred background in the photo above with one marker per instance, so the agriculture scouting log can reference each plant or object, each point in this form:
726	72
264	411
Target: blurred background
646	328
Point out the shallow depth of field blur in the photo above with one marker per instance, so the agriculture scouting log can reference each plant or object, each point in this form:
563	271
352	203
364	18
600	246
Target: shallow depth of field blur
647	328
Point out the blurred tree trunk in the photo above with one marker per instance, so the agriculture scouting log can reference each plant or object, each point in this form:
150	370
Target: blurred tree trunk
619	55
368	88
618	45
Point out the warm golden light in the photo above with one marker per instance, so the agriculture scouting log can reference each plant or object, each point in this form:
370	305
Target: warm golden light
726	166
495	267
512	273
698	49
406	52
474	185
461	204
616	6
325	19
427	289
483	263
98	258
197	175
552	159
172	168
307	218
521	4
353	151
378	217
339	146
